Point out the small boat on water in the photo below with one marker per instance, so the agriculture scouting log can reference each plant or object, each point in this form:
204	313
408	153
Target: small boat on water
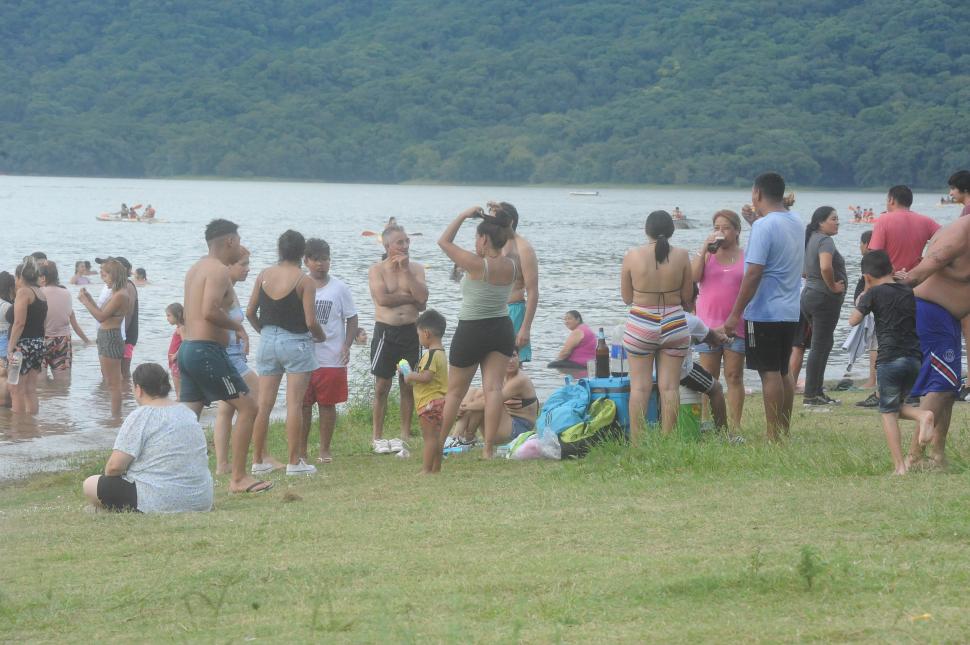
686	223
115	217
585	193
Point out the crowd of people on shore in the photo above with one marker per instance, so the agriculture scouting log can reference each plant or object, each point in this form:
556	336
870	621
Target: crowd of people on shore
761	307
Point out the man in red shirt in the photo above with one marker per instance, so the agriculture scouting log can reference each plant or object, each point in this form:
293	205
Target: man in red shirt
900	232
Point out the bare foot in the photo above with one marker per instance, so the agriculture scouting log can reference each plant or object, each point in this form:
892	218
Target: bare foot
912	461
249	484
900	470
223	469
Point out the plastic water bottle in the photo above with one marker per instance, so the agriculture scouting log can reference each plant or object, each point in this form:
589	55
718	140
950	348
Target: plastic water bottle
403	367
13	367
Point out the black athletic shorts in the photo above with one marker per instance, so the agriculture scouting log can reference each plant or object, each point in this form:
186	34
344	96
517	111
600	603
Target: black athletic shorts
207	374
767	345
389	344
117	493
475	339
698	379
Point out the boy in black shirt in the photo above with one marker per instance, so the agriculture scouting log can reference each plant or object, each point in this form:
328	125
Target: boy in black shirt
899	358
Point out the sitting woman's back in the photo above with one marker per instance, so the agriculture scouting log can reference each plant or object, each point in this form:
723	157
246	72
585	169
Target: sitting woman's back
170	468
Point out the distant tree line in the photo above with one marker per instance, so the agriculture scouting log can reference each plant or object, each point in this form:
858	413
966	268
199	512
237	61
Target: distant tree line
829	93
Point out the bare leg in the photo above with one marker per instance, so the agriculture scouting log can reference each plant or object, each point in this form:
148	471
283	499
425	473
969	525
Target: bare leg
924	420
871	381
268	388
18	402
734	375
795	363
718	407
223	426
641	385
774	394
431	433
126	369
493	377
668	378
407	408
711	361
241	435
459	378
30	391
788	400
382	387
90	489
890	426
296	384
328	422
305	422
470	423
111	368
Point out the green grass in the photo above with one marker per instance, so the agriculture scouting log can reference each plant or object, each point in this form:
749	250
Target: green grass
678	541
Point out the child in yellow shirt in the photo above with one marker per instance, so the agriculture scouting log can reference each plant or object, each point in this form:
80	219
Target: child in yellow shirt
430	382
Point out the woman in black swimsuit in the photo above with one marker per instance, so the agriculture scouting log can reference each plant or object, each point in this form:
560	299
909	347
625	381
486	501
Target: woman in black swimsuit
26	319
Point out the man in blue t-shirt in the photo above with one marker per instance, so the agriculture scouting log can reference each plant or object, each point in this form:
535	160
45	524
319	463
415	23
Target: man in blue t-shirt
769	297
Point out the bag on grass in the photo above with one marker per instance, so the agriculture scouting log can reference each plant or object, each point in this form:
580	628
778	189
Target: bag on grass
616	389
602	424
564	408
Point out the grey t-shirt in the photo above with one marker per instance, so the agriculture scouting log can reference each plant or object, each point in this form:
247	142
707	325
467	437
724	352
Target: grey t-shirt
822	243
170	469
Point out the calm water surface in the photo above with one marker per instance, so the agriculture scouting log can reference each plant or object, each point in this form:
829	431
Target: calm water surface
580	242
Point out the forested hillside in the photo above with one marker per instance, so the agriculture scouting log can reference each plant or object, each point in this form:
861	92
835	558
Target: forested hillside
829	92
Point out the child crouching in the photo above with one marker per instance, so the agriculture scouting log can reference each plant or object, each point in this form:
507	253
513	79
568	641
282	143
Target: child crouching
899	357
430	382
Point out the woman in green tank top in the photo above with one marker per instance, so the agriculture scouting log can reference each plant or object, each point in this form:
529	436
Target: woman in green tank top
484	336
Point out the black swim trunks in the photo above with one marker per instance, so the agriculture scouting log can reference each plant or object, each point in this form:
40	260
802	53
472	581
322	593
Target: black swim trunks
391	343
207	374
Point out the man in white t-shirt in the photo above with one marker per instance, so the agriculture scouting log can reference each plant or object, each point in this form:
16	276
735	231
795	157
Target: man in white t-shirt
338	318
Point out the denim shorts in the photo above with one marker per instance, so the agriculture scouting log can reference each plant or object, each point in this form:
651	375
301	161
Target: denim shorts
240	363
735	345
895	379
284	352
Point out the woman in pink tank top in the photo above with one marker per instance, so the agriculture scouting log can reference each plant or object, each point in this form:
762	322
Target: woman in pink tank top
718	275
580	345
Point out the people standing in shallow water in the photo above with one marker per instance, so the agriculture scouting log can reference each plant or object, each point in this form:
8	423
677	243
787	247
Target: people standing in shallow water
26	319
524	297
398	289
718	276
111	346
58	352
484	337
207	373
655	279
8	286
159	462
80	276
281	310
238	351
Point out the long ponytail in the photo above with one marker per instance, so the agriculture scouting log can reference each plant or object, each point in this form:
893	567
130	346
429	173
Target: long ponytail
660	226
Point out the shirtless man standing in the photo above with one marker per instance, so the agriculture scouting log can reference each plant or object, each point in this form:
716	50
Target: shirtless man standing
941	283
398	289
524	298
207	373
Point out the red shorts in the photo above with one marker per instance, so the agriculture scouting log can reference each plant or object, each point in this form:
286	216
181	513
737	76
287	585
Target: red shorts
432	412
328	386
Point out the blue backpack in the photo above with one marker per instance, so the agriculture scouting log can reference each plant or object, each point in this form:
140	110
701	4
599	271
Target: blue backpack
564	408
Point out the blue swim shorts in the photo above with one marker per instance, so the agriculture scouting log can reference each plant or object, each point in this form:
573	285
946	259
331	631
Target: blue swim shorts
939	339
517	314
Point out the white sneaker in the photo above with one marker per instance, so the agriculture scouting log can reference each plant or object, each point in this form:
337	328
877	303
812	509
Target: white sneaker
382	446
261	469
451	441
396	444
301	468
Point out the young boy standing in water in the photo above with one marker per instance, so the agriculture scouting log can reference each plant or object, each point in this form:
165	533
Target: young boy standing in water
430	382
893	305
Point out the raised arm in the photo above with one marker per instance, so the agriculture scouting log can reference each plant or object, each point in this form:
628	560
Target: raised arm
467	260
699	261
117	303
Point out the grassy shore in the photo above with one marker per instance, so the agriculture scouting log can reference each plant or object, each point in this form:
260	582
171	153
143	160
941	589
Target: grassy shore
678	541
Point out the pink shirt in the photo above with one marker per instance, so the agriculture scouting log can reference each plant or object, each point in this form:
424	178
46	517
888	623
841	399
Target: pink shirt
903	235
718	290
59	310
586	350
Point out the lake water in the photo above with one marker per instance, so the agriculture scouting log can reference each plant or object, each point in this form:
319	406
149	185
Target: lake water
580	242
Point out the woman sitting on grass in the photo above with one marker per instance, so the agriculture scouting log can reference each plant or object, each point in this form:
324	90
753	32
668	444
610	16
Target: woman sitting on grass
159	463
